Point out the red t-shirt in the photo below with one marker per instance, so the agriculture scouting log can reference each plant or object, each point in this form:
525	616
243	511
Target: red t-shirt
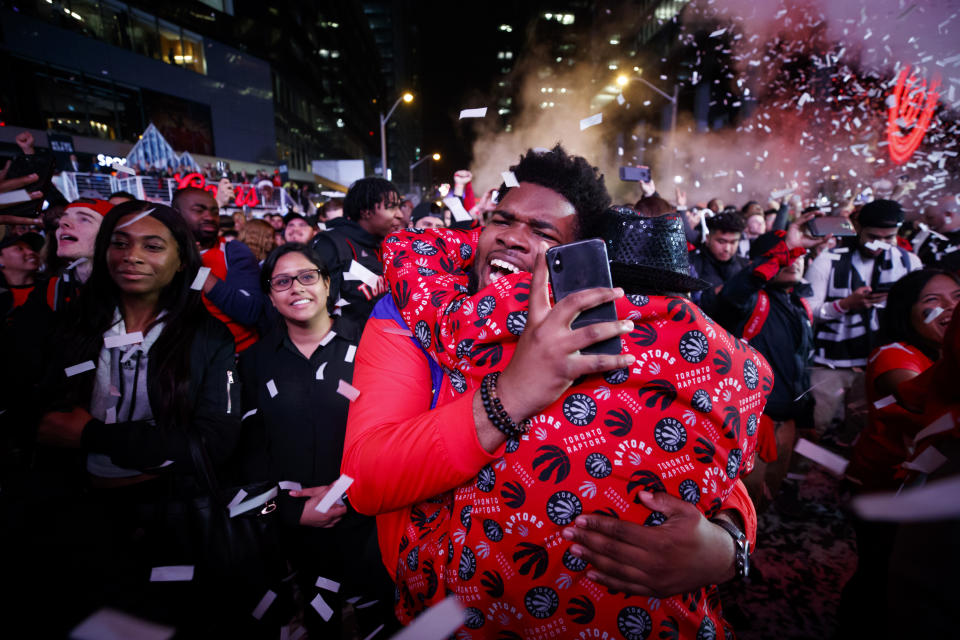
20	294
882	445
243	335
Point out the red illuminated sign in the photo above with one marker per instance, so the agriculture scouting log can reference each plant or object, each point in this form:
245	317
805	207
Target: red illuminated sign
910	109
246	195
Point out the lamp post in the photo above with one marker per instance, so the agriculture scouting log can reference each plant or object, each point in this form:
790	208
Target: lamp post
622	81
406	97
436	157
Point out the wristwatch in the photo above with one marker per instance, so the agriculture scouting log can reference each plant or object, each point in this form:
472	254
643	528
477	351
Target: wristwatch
741	544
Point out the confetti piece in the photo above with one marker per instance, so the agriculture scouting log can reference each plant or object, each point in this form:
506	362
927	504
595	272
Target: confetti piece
337	489
928	461
290	485
586	123
436	623
874	245
327	338
365	605
322	607
75	263
933	314
248	414
348	391
456	209
253	503
935	500
237	499
833	462
351	352
172	573
884	402
264	604
374	632
340	303
941	424
621	99
202	274
359	272
110	624
718	33
509	180
473	113
80	368
12	197
320	370
327	584
398	331
122	168
123	340
272	388
135	219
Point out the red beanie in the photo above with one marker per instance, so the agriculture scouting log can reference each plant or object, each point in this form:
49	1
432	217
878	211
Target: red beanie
100	206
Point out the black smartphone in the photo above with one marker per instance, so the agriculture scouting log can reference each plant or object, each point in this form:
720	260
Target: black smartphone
825	225
41	163
635	174
584	265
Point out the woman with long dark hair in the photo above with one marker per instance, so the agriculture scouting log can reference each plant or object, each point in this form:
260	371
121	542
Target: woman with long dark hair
139	368
912	327
295	417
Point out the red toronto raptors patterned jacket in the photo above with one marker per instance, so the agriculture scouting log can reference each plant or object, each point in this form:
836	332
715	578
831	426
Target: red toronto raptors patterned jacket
682	419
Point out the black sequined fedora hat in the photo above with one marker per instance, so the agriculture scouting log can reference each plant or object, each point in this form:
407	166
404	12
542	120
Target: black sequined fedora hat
648	254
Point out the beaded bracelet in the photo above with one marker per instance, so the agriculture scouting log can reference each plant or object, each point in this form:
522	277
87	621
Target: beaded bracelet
494	408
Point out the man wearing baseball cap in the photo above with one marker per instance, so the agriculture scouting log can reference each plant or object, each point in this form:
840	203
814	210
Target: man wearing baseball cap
849	285
19	262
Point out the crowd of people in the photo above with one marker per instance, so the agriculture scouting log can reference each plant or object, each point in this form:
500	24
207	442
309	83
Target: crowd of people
183	393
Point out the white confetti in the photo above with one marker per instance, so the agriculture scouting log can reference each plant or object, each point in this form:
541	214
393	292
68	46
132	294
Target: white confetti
272	388
122	168
621	99
884	402
473	113
320	371
935	500
398	331
337	489
348	391
122	340
351	352
327	584
135	219
254	502
941	424
79	368
833	462
928	461
248	414
330	336
509	180
932	314
359	272
264	604
110	624
595	119
436	623
202	274
173	573
290	485
322	607
456	209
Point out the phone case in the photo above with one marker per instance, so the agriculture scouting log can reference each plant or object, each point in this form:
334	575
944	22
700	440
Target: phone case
820	227
584	265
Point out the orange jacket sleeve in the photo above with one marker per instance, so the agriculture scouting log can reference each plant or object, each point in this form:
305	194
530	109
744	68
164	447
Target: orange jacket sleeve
398	450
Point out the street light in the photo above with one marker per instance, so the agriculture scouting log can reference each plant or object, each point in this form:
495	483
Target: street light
406	97
622	81
435	157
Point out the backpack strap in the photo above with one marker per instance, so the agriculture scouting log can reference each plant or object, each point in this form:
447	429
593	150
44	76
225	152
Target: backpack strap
386	309
758	317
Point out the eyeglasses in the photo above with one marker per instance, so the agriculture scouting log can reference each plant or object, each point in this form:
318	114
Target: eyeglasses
306	278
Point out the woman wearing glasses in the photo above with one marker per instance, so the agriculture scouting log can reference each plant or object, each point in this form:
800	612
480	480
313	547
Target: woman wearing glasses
293	429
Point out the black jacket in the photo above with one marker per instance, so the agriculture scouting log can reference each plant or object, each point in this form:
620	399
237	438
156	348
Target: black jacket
716	273
785	338
343	242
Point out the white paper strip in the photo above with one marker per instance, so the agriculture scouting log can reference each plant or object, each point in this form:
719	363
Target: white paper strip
122	168
135	219
264	604
172	573
935	500
320	371
620	99
359	272
272	388
79	368
436	623
364	605
830	460
928	461
374	633
237	499
11	197
348	391
941	424
351	352
398	331
873	245
110	624
586	123
253	502
456	209
933	314
122	340
248	414
884	402
322	607
326	583
509	179
473	113
331	334
337	489
202	274
776	195
290	485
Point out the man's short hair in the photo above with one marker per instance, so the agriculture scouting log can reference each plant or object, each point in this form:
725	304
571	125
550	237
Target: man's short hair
570	176
180	193
122	194
365	194
726	222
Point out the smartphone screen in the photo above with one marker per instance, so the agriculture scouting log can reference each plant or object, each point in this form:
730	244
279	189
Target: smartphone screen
584	265
635	174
